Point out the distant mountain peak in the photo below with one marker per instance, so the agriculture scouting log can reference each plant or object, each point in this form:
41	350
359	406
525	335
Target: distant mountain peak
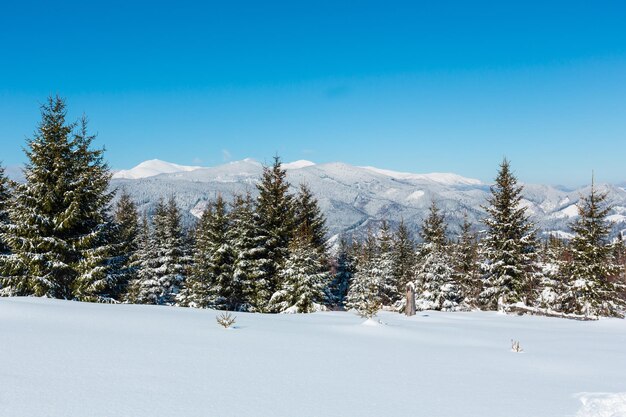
444	178
302	163
152	168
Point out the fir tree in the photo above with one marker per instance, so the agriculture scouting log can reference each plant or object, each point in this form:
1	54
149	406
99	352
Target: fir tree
466	267
344	271
509	245
309	220
211	283
89	206
385	266
434	227
436	286
592	288
303	279
403	257
127	230
59	228
164	264
4	210
141	262
274	218
364	294
251	261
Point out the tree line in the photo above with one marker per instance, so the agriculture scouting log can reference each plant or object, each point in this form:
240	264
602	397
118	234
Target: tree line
60	237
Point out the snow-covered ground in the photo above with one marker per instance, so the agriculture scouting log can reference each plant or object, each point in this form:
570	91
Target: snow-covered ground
62	358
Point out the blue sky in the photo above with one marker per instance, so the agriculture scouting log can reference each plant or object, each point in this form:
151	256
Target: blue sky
412	86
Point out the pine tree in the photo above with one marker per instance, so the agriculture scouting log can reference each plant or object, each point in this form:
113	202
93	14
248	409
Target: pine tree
127	230
509	245
59	232
163	267
309	219
275	222
344	271
592	289
384	264
436	286
466	267
251	261
404	259
89	206
434	227
211	283
364	294
303	279
141	261
5	197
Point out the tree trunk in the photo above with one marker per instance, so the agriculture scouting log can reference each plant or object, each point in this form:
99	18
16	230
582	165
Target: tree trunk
409	309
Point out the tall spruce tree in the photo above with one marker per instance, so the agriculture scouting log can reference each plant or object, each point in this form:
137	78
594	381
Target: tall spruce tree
403	257
211	282
309	219
275	221
343	273
434	227
163	266
4	223
60	230
509	246
385	265
303	279
465	262
251	260
436	287
5	196
592	288
127	244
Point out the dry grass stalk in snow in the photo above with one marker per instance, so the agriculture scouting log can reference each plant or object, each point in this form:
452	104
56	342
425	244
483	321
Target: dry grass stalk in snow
515	347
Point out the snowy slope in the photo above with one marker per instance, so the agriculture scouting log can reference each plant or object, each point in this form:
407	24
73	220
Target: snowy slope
69	359
356	198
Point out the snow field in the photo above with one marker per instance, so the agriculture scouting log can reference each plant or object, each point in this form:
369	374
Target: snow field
63	358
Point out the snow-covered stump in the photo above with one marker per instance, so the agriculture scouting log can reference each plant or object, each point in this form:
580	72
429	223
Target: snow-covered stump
409	308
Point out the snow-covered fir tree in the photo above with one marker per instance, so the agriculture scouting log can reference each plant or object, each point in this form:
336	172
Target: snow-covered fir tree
364	293
404	259
211	282
164	263
384	263
94	240
274	218
251	260
126	238
59	232
592	285
5	195
436	282
466	264
509	245
309	219
344	270
145	244
303	278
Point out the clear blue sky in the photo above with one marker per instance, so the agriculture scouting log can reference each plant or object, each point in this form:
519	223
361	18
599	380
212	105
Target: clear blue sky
412	86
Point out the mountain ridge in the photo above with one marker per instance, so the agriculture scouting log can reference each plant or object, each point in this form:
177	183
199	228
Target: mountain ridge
355	198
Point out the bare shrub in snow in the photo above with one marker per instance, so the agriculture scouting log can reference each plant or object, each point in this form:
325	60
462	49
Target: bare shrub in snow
226	320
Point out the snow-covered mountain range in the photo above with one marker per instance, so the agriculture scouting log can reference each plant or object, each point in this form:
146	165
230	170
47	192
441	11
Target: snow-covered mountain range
355	198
